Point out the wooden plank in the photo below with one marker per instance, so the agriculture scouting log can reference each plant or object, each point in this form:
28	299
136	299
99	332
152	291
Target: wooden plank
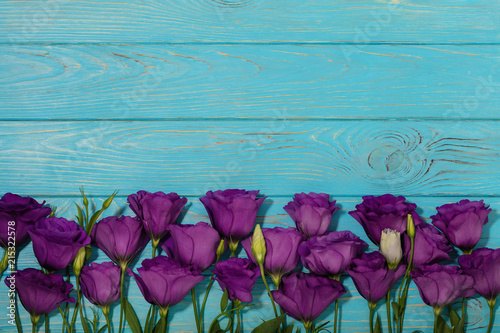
354	311
278	157
246	21
249	81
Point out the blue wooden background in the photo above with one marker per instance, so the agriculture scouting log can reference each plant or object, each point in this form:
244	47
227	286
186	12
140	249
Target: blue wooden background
345	97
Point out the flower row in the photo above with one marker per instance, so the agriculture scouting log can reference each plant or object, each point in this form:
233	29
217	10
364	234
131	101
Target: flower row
409	248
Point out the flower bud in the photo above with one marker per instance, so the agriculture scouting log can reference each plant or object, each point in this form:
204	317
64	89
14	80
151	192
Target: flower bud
79	261
108	201
410	227
221	248
390	247
258	245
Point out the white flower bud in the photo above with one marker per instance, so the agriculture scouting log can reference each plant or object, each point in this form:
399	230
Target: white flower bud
390	247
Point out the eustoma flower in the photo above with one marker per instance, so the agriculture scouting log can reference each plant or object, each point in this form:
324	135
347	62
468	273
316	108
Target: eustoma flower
40	293
121	238
157	211
23	211
193	244
164	281
390	247
101	283
312	213
332	253
484	266
432	246
56	241
281	251
441	285
232	213
384	212
237	276
462	222
305	296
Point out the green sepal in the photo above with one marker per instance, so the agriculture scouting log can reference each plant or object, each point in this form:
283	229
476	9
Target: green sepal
378	325
224	301
131	317
270	326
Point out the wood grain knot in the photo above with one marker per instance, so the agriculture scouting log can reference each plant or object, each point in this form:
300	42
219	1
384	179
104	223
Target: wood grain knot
387	158
232	3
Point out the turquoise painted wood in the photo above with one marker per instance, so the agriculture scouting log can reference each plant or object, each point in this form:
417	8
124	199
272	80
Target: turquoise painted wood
249	21
344	97
277	157
445	82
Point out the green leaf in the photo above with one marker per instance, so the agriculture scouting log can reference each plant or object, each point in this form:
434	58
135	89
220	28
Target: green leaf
85	325
92	221
270	326
378	325
460	326
289	329
215	328
454	318
224	301
148	319
396	308
159	325
442	326
80	215
131	317
322	325
103	328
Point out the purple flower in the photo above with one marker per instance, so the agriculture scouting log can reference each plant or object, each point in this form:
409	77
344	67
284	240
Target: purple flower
101	283
56	241
164	281
121	238
462	222
232	212
384	212
305	296
441	285
156	211
484	266
40	293
193	244
372	277
237	276
281	251
331	254
312	213
430	246
21	212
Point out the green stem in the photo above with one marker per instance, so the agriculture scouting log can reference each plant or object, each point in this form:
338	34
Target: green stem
371	306
34	321
388	307
238	326
163	319
65	323
308	326
195	309
106	315
268	290
154	243
405	293
122	279
435	322
78	305
336	314
47	322
492	306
